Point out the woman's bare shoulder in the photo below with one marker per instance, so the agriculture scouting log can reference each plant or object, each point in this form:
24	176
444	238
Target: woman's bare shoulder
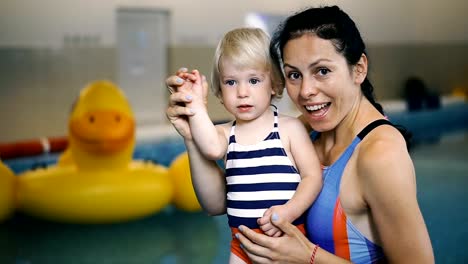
383	139
383	156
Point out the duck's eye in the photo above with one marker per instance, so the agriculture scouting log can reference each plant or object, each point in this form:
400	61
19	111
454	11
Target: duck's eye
91	119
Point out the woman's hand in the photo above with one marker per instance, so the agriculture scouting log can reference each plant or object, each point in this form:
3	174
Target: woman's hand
292	247
267	226
177	112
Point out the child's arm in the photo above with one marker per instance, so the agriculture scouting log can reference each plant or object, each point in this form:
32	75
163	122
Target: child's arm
308	165
207	177
210	139
208	181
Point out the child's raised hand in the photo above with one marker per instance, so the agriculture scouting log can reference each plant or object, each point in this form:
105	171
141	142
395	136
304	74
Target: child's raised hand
186	87
196	87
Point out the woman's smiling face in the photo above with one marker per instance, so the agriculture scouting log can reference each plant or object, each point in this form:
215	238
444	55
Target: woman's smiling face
319	81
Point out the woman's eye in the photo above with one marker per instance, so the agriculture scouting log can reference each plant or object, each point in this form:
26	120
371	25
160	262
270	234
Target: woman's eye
323	71
254	81
294	75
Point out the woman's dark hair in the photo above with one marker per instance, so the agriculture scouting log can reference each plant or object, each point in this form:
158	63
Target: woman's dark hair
330	23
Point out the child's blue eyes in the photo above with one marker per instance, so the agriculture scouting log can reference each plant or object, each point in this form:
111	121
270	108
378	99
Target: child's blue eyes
254	81
233	82
230	82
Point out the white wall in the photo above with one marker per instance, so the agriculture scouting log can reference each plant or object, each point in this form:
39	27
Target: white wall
51	22
39	79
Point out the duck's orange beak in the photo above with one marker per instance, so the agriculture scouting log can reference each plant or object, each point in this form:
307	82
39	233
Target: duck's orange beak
103	131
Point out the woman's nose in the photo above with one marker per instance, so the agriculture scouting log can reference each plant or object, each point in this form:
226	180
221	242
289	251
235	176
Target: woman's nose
308	88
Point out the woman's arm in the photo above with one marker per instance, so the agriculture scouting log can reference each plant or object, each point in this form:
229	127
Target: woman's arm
387	178
207	178
293	247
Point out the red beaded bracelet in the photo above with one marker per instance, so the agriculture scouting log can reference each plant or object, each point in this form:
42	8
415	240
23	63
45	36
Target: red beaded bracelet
312	258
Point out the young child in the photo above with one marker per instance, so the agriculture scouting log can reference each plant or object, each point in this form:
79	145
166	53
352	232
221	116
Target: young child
271	164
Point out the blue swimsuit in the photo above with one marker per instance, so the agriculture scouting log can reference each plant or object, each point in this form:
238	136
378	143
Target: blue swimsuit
327	224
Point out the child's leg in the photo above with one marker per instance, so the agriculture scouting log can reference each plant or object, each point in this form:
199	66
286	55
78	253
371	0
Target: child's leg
234	259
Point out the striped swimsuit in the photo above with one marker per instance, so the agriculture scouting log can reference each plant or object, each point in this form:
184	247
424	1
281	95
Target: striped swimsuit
327	224
258	176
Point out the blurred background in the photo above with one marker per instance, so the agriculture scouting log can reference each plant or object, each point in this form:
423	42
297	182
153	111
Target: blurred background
51	49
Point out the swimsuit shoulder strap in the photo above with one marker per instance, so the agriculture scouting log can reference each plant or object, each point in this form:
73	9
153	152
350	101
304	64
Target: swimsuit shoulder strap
371	127
232	137
275	113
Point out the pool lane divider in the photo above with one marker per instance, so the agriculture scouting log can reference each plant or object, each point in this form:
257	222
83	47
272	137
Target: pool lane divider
32	147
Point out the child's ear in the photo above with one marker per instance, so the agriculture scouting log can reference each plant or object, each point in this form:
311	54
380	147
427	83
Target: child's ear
360	69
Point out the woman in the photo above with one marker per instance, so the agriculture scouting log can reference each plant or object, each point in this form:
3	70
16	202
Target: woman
367	211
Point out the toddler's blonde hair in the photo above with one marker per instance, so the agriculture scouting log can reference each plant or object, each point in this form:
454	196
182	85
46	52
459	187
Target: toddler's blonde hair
246	48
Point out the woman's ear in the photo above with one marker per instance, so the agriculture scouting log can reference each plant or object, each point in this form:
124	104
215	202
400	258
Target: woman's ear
360	69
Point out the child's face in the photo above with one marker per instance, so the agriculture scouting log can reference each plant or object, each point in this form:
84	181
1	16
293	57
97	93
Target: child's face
246	92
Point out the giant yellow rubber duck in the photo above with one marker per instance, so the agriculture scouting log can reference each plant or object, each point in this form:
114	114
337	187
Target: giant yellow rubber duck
184	197
96	180
7	185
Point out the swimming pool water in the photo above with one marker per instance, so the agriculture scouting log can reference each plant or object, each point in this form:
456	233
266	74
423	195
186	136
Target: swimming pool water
442	177
173	236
